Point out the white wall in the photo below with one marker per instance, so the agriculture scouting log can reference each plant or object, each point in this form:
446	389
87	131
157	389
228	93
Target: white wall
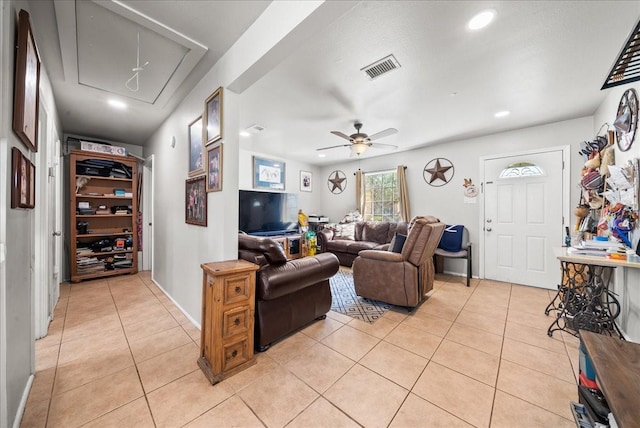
626	280
309	202
17	233
447	202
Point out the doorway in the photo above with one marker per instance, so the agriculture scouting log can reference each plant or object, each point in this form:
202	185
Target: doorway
147	215
523	216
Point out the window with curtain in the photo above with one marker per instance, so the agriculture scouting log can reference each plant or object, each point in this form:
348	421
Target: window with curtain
381	198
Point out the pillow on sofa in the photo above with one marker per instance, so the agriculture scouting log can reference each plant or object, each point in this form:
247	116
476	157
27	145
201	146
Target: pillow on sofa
451	238
397	242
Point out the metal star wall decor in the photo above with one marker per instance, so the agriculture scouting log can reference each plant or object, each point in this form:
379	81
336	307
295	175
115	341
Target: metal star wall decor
438	169
337	182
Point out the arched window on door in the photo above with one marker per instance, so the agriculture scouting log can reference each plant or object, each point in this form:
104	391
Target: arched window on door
521	169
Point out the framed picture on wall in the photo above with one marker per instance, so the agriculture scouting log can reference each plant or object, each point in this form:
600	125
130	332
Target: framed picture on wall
268	174
196	201
26	98
22	180
196	165
214	168
305	181
213	116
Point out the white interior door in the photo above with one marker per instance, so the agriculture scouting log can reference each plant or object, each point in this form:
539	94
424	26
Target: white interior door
523	220
54	200
147	215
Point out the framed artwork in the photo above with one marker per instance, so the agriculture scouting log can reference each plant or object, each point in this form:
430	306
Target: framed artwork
305	181
26	97
213	116
196	201
196	165
214	168
268	174
23	176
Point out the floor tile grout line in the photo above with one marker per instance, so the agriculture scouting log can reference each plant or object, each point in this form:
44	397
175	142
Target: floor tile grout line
135	364
495	389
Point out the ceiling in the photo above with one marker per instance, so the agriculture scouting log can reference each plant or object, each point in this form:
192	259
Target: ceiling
542	61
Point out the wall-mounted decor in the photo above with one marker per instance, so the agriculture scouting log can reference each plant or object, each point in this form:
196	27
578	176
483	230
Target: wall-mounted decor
213	116
26	97
268	174
337	182
626	122
23	181
214	168
196	201
196	166
438	172
306	181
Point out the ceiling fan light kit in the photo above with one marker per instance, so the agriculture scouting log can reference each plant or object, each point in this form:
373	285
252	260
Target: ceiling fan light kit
360	142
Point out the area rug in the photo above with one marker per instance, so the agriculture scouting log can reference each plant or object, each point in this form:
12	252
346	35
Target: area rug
345	301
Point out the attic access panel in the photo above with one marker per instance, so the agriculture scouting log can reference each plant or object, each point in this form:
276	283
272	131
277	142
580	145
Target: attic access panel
107	53
626	69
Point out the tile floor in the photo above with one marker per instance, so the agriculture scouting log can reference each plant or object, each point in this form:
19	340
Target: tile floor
120	354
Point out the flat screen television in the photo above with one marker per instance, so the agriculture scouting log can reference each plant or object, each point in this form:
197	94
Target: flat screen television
268	213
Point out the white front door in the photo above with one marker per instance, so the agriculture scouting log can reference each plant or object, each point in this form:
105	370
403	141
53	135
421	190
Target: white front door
523	220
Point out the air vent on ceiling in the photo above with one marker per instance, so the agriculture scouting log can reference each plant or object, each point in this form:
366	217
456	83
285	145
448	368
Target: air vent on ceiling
255	129
381	67
626	69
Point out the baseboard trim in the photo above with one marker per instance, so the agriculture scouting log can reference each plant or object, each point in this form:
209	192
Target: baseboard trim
23	402
448	272
194	322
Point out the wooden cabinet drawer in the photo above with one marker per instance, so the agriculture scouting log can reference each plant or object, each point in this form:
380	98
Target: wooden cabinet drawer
236	289
236	321
235	353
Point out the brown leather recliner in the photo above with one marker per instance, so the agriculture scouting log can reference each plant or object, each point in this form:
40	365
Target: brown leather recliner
289	293
402	279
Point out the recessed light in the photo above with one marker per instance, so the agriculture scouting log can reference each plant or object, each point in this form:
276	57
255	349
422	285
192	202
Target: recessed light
502	113
481	20
245	134
321	155
117	104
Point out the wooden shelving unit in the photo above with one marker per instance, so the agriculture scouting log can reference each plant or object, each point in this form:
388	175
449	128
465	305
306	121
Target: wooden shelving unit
94	253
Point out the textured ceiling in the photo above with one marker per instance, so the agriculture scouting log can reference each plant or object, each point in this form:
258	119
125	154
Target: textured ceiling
544	61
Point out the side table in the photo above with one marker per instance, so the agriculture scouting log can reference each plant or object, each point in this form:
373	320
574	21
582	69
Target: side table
228	307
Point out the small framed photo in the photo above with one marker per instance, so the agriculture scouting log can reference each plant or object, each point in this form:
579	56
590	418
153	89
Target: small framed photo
196	201
213	116
305	181
23	179
26	98
268	174
214	168
196	165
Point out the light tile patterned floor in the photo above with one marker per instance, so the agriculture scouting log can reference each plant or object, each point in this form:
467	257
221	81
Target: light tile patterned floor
120	354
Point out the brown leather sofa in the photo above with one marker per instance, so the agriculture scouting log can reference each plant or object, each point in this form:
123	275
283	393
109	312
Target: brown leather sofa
368	235
289	293
402	279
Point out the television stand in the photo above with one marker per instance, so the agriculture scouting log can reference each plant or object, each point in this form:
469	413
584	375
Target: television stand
291	243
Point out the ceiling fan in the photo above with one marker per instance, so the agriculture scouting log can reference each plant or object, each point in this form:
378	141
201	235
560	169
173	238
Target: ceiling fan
359	142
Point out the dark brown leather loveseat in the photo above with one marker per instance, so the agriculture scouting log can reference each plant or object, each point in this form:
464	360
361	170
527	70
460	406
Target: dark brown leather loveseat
289	293
368	235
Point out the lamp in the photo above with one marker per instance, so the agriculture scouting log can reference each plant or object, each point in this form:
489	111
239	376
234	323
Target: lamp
359	148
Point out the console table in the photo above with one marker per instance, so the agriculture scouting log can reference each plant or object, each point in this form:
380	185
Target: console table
583	300
617	366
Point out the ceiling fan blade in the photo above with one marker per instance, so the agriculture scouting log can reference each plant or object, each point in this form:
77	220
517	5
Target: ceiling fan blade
341	134
383	146
333	147
382	134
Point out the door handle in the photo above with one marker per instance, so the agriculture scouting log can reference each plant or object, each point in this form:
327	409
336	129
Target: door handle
57	233
489	229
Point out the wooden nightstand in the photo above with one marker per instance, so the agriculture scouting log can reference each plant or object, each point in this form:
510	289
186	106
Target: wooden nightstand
228	305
